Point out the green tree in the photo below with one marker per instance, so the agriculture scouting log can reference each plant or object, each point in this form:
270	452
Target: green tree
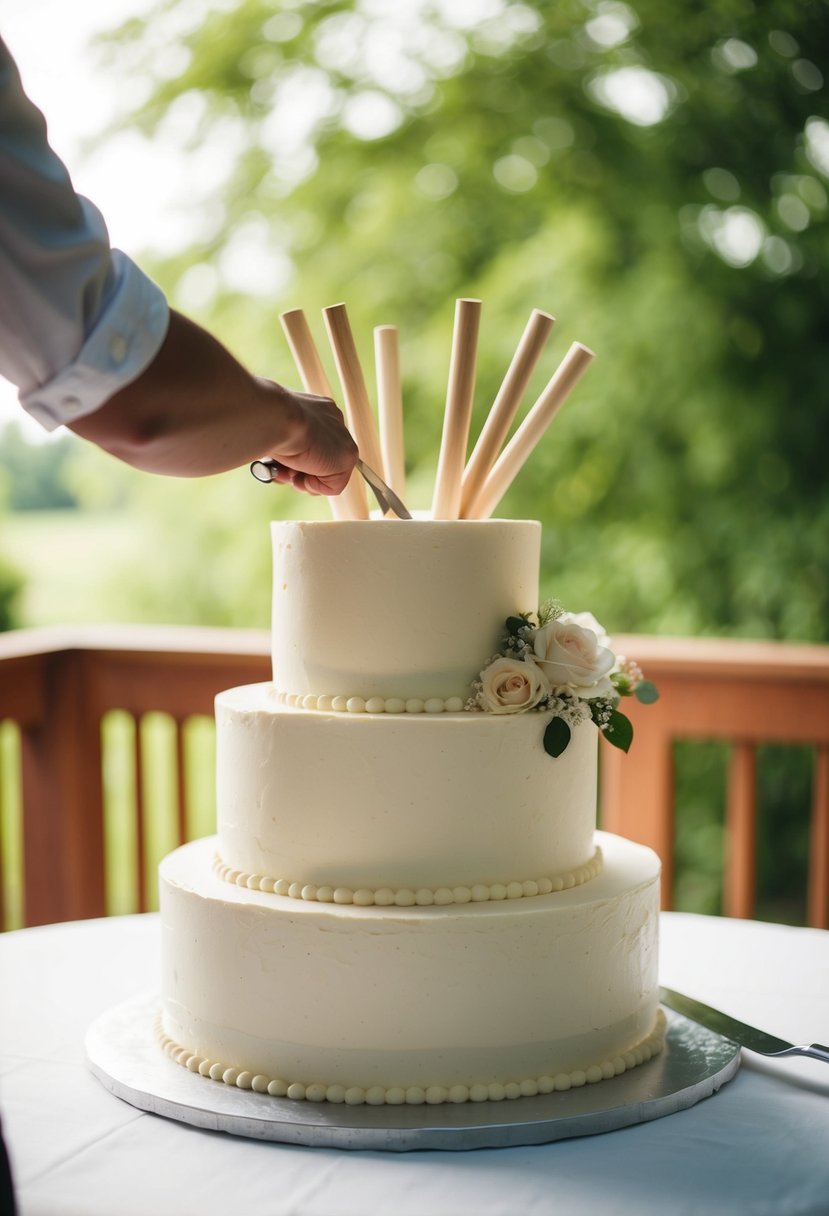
652	174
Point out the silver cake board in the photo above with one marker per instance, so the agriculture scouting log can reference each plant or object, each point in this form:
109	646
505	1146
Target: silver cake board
125	1055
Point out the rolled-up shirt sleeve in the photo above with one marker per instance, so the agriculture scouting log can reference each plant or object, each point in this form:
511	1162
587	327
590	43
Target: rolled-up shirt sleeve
78	320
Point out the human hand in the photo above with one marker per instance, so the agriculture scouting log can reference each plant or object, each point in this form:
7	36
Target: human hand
317	454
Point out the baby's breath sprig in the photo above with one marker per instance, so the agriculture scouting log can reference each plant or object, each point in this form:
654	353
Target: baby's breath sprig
550	610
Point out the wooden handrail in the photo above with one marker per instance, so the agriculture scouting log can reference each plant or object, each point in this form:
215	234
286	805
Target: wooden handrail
57	685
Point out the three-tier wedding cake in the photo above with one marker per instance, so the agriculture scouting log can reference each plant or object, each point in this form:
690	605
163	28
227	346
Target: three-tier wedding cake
407	899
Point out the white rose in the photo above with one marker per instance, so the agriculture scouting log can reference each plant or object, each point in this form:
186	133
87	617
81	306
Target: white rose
573	654
587	621
511	686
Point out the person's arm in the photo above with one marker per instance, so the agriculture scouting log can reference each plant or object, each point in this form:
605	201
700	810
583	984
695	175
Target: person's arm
195	410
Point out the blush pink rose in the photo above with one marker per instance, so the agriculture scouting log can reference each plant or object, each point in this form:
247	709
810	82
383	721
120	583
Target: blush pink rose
572	654
512	686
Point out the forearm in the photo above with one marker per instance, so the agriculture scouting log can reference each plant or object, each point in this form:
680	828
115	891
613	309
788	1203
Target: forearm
195	410
163	421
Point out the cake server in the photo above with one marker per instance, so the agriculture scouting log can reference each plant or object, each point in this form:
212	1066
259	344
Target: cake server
387	500
738	1032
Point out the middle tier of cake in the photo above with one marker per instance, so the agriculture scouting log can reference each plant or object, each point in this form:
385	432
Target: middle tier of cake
400	808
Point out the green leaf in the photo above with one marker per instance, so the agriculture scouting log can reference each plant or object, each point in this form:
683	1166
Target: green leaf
646	692
514	623
556	737
619	731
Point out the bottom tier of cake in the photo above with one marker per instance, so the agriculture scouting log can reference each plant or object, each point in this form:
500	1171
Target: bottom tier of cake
463	1002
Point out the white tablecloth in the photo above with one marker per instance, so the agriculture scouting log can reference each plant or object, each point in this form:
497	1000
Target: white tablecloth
760	1147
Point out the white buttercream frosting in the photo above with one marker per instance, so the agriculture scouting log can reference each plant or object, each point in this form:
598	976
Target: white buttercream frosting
398	800
471	994
416	1095
375	609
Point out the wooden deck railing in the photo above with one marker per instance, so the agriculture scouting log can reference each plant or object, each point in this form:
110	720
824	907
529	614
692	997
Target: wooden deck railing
57	686
743	693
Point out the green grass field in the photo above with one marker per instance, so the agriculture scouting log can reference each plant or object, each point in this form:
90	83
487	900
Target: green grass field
64	556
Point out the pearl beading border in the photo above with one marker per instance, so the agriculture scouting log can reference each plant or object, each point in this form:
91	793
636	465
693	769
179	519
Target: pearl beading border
372	705
405	897
416	1095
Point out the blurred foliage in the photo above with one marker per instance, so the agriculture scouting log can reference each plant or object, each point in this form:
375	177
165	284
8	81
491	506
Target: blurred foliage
652	174
11	578
11	585
35	474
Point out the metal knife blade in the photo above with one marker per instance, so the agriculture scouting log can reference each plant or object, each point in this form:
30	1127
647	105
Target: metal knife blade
721	1023
384	494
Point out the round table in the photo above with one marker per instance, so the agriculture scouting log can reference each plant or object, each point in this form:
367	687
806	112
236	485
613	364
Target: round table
758	1147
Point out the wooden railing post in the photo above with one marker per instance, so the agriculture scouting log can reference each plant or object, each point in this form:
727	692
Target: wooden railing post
740	880
818	884
63	797
637	790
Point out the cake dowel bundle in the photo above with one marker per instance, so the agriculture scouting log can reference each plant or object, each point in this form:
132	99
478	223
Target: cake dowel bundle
464	489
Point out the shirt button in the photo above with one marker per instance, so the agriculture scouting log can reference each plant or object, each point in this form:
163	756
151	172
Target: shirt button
118	348
71	405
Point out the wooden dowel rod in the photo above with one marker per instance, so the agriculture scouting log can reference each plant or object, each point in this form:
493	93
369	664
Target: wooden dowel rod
355	395
390	406
504	409
351	504
569	372
446	501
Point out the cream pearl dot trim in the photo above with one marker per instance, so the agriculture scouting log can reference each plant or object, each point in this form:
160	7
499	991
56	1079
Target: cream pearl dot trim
416	1095
372	705
404	897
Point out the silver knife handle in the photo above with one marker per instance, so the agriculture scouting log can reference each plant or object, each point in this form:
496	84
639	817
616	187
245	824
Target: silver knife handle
817	1051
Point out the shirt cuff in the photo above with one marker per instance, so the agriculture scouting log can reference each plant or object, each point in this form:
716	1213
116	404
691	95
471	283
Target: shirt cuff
125	340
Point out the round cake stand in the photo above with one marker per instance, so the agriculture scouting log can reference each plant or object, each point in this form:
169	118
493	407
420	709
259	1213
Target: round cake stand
125	1055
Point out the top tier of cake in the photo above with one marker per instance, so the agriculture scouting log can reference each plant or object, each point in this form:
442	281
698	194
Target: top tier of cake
396	609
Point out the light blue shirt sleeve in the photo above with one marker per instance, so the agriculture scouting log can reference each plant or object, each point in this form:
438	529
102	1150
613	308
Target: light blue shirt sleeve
78	320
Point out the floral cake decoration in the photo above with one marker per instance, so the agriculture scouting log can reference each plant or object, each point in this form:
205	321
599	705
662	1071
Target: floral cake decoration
561	663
